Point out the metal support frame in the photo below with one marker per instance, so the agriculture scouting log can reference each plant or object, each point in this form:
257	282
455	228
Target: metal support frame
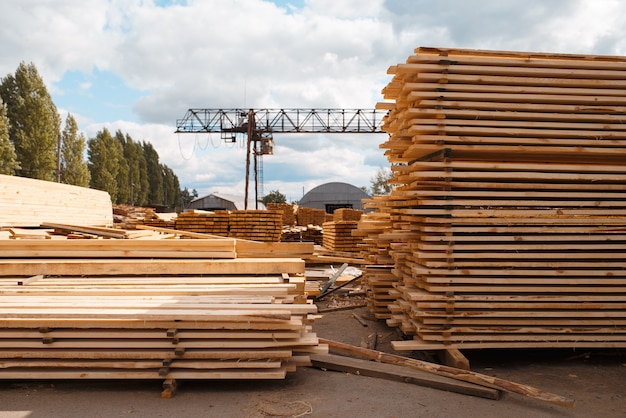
259	124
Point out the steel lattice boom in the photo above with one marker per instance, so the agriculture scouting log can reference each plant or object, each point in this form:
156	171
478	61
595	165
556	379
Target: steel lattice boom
259	125
282	120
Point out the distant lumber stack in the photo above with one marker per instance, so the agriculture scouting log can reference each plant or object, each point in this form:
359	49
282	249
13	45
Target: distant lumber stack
511	187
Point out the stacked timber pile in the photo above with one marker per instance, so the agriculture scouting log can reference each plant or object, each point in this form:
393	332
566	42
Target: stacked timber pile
289	212
256	225
512	186
312	233
214	223
346	214
166	309
309	216
28	202
128	217
375	247
337	236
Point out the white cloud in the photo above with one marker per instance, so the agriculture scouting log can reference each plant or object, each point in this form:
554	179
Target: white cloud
253	53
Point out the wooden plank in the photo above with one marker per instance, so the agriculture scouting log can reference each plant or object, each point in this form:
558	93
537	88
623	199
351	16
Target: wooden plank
398	373
140	266
279	373
446	371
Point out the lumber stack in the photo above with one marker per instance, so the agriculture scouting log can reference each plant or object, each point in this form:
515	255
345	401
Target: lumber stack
256	225
289	212
214	223
310	216
28	202
512	188
347	214
127	317
375	247
337	236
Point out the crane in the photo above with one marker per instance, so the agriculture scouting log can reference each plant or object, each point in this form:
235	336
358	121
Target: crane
260	125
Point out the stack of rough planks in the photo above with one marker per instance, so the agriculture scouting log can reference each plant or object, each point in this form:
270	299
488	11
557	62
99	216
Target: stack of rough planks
151	309
256	225
289	212
337	234
510	205
374	230
214	223
310	216
28	202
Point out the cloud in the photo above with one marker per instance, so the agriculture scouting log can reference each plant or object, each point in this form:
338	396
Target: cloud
138	65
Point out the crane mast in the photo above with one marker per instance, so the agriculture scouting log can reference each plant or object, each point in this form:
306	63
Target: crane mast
259	126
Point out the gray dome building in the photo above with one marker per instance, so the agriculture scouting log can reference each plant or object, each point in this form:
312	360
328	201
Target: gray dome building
331	196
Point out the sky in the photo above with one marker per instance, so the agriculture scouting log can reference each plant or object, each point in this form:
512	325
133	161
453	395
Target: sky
138	65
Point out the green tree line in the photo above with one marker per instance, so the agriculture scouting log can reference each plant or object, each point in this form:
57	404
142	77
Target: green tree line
33	145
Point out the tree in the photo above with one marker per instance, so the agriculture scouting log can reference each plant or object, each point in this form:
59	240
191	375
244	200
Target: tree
123	179
8	158
274	196
155	174
186	197
74	169
380	182
35	124
171	187
138	184
105	153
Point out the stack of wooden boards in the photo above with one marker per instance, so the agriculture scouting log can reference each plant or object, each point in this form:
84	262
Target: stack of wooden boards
289	212
337	234
378	279
151	309
310	216
28	202
214	223
510	198
256	225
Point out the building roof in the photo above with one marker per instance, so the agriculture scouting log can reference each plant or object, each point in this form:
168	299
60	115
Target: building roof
237	201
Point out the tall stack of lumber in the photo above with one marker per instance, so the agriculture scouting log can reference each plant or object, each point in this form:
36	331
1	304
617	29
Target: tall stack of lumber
310	216
214	223
28	202
256	225
512	186
166	309
289	212
375	247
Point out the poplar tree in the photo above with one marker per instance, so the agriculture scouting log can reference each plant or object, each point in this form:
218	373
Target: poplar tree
105	153
155	174
35	124
123	181
137	176
74	169
171	187
8	158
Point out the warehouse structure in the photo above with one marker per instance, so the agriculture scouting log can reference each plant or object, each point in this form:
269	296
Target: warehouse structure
221	201
332	196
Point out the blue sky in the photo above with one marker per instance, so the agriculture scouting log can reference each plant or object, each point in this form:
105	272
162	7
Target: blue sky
138	65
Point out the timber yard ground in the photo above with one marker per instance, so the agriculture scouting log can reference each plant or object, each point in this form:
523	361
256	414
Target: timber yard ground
595	379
